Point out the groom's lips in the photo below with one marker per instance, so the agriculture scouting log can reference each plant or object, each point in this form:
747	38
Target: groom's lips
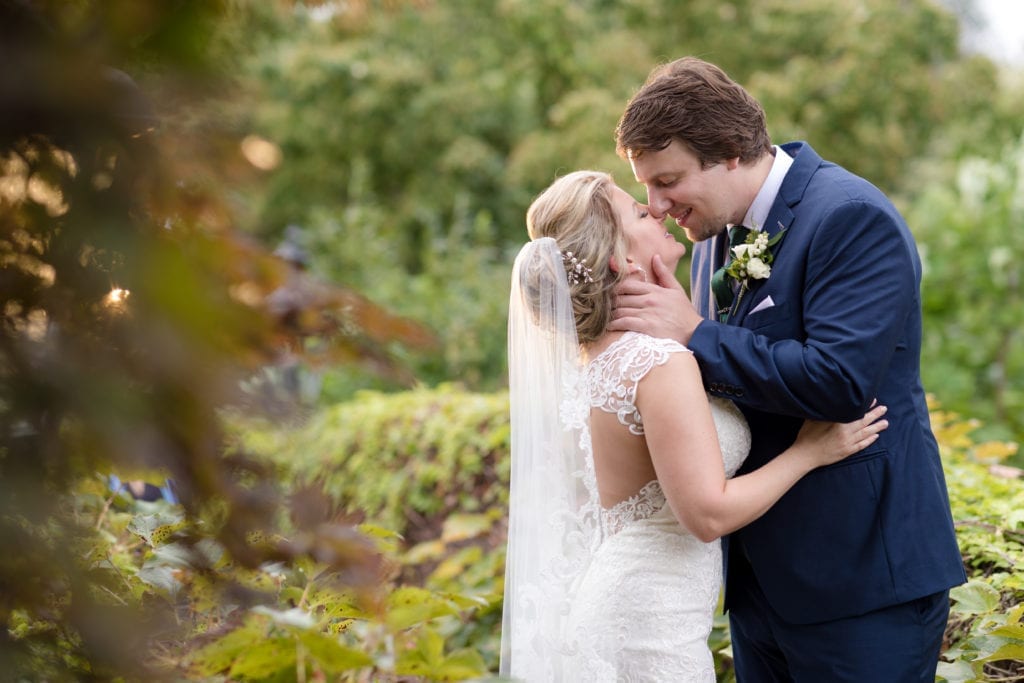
681	219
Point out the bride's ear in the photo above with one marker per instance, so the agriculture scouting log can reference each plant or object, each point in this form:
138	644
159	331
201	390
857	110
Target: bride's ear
614	265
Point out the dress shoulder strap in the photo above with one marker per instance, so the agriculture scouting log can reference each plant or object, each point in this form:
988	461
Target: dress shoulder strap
612	376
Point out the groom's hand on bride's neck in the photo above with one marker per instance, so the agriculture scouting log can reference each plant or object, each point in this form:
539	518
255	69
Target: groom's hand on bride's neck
665	277
660	308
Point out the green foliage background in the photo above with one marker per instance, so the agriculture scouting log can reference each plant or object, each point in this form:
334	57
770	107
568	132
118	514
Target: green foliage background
414	135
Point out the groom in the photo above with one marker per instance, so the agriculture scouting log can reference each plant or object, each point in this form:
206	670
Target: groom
847	577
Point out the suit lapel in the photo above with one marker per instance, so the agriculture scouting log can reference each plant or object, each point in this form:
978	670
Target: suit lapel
805	163
780	218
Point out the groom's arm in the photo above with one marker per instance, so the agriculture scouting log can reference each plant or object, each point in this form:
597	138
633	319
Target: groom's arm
859	290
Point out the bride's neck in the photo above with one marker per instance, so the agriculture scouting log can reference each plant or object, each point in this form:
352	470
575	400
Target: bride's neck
594	348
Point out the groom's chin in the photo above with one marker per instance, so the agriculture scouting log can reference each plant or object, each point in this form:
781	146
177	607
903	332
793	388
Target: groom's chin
699	233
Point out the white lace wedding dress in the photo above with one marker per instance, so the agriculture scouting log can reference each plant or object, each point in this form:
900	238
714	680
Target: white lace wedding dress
643	609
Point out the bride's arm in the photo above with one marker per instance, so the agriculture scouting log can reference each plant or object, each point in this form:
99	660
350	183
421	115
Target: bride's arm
684	448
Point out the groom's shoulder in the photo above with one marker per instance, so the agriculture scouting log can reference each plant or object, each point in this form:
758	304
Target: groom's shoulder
826	179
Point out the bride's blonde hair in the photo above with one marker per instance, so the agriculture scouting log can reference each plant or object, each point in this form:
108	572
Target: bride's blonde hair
576	210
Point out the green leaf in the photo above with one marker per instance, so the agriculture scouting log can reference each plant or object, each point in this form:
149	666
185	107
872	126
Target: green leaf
292	594
156	528
174	554
1015	631
431	646
457	564
218	656
461	665
460	527
1010	651
331	655
264	658
956	672
428	659
376	531
409	605
984	645
425	551
974	597
340	606
425	659
160	576
465	601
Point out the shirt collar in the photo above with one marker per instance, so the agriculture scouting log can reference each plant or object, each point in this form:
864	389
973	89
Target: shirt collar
757	214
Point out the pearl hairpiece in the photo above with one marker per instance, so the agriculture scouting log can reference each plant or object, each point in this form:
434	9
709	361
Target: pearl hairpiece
576	268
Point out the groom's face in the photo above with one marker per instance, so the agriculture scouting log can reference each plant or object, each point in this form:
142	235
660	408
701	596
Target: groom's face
701	200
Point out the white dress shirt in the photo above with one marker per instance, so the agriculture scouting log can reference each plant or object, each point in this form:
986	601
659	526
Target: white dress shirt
757	214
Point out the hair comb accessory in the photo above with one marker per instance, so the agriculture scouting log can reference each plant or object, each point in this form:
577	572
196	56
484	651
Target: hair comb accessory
576	268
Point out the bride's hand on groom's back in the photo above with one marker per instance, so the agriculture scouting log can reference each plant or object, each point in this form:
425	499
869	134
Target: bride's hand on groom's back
830	442
658	307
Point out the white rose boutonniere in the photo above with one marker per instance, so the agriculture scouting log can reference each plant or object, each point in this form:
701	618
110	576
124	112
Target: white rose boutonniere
758	269
752	260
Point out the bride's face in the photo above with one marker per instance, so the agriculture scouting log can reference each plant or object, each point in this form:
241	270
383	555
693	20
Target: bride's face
645	234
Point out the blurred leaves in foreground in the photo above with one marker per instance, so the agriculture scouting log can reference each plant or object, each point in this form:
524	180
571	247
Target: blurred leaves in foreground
132	311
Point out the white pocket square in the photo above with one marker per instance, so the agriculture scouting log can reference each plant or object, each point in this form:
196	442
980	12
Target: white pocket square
763	304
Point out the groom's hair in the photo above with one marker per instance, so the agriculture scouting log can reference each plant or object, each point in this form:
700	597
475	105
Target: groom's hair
695	102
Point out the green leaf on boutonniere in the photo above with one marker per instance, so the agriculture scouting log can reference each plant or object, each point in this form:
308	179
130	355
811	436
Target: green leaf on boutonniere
752	260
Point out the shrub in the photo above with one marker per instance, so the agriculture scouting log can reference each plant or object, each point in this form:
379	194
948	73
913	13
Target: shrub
410	461
424	474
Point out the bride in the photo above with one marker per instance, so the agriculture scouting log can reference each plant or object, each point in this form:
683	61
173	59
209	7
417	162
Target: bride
621	463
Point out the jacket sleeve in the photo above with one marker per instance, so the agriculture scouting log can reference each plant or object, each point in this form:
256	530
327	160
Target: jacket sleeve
854	286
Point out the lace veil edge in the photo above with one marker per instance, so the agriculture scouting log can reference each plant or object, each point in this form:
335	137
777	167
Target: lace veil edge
553	506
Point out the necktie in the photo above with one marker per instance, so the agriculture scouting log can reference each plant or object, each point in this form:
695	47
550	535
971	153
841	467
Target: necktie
721	287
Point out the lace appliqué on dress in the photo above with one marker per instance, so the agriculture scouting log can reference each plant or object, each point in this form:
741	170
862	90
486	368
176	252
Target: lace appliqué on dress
641	505
613	375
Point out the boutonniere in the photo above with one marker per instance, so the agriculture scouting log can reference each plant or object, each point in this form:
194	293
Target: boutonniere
752	260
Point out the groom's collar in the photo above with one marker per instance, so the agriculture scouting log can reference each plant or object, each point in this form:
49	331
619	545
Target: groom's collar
757	214
806	163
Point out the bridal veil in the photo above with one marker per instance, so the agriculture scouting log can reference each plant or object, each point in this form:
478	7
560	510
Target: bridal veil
554	521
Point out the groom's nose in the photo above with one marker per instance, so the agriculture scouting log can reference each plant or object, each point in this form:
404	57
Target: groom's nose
658	204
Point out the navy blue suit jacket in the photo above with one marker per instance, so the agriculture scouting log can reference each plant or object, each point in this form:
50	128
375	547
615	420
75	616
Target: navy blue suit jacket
875	529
